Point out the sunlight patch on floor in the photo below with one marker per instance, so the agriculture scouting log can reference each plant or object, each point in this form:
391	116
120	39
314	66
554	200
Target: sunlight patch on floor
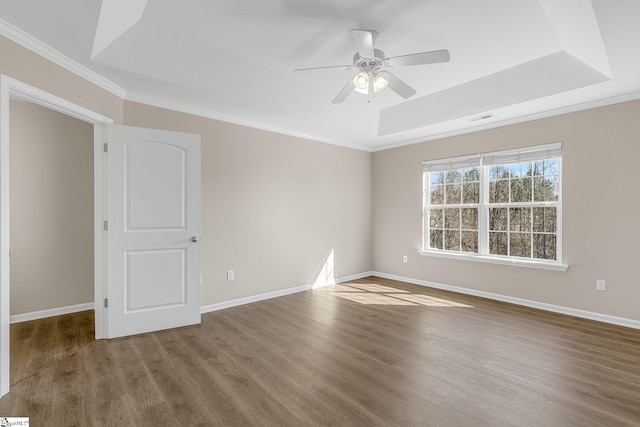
369	287
372	299
373	294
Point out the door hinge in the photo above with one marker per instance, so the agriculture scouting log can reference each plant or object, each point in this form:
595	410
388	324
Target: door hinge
105	147
106	303
105	225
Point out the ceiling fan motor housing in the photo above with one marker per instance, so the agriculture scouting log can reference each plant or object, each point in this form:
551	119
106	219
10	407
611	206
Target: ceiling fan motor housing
369	64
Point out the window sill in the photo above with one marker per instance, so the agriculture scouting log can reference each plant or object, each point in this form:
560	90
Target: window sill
496	260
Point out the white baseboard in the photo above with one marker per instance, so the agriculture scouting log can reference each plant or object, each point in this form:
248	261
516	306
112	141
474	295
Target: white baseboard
355	277
341	280
25	317
620	321
279	293
253	298
35	315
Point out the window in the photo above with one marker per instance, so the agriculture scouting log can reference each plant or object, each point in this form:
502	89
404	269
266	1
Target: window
503	205
453	211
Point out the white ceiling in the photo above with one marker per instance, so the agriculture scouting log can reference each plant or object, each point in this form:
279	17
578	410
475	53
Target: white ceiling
234	59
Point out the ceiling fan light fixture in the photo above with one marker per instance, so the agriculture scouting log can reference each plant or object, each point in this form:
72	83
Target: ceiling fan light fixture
379	83
361	83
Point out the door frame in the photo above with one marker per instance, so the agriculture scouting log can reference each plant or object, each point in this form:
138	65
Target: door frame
11	88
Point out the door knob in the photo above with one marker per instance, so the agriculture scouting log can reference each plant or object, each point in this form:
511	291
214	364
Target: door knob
196	239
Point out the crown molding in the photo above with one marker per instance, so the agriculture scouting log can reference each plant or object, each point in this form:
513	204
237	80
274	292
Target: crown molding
574	108
27	41
216	115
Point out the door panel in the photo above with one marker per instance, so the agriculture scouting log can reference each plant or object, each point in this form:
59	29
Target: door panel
156	191
155	279
154	211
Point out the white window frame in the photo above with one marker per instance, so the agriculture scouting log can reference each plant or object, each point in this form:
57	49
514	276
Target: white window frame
502	157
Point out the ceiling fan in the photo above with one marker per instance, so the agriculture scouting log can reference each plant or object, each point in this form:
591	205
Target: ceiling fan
370	62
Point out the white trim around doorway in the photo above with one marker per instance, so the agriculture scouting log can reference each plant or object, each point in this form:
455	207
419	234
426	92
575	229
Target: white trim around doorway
11	88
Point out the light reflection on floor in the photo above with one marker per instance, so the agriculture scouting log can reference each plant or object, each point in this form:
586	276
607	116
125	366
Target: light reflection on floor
373	294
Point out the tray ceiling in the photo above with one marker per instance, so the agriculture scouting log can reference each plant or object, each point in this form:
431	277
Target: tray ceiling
234	59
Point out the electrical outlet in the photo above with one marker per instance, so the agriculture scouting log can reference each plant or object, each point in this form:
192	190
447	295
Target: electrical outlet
601	285
230	275
404	258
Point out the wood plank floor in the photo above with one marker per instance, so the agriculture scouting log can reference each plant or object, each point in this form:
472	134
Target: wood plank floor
38	343
371	352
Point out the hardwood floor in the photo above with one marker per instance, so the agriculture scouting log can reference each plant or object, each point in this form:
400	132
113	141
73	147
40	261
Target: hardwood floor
36	344
371	352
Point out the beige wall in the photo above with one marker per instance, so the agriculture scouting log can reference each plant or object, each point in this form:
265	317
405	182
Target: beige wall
601	230
51	165
30	68
272	205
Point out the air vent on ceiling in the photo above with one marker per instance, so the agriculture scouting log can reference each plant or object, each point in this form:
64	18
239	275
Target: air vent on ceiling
482	117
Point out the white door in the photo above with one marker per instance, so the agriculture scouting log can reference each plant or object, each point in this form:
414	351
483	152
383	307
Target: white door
153	236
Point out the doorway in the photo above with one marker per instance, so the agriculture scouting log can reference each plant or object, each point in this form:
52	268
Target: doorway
11	89
51	198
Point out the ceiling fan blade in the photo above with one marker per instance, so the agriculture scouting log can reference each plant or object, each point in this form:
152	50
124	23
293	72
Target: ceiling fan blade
363	40
349	87
421	58
331	67
398	86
